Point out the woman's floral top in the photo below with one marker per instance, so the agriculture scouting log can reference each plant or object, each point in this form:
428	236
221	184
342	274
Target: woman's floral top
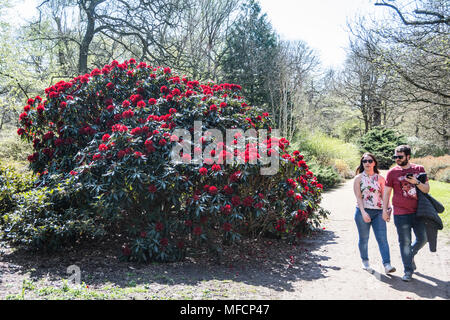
371	191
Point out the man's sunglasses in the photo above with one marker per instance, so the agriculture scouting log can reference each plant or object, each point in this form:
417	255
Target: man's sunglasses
365	161
397	157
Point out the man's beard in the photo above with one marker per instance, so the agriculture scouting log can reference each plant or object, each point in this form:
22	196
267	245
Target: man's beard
403	163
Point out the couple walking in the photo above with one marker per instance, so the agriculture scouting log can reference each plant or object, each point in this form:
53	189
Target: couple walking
373	193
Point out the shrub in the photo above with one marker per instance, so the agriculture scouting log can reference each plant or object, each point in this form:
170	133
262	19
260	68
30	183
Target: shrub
381	142
327	176
110	133
12	148
332	155
12	182
437	168
51	218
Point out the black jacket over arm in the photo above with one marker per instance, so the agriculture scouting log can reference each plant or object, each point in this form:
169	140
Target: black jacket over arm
427	211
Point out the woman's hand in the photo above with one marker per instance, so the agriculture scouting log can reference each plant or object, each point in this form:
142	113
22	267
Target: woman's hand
387	214
366	217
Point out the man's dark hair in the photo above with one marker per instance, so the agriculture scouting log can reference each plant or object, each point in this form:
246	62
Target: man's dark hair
404	148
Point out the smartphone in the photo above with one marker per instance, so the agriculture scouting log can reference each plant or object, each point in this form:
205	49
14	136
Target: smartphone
409	175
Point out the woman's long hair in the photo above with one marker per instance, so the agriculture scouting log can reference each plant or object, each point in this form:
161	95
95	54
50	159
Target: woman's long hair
361	167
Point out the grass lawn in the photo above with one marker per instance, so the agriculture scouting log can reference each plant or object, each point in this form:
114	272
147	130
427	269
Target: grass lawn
441	192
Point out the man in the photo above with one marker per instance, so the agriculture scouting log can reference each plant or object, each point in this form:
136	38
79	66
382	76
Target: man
403	180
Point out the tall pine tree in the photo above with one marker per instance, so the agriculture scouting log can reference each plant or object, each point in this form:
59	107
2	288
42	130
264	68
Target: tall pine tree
251	49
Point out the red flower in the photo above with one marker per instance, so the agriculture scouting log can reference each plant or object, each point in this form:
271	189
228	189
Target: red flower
128	114
49	135
248	201
236	201
212	190
235	176
96	157
164	242
213	107
167	70
102	147
151	101
198	231
172	110
23	115
152	188
226	209
188	223
228	190
106	137
143	234
20	131
203	171
136	131
162	142
159	227
73	173
180	244
126	251
226	226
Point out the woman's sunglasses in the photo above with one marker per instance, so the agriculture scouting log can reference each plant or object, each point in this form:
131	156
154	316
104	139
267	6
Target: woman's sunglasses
365	161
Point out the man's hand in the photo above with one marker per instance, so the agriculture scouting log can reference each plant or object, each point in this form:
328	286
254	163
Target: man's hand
387	215
412	180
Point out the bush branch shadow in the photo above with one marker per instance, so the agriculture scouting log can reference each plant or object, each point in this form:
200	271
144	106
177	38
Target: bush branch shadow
266	263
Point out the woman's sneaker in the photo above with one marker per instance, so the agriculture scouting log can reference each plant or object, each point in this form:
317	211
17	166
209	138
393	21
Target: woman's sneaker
388	268
366	266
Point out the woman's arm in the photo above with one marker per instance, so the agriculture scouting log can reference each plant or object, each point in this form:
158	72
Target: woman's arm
358	195
382	183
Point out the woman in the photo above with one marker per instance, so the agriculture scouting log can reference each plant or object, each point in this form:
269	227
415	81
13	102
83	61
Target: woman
368	187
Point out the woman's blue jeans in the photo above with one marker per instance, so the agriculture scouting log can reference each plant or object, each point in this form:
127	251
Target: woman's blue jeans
379	228
404	224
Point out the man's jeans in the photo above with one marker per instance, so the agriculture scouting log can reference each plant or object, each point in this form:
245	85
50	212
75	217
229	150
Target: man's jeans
379	228
404	224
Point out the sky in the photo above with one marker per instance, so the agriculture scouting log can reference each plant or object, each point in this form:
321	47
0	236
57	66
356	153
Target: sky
320	23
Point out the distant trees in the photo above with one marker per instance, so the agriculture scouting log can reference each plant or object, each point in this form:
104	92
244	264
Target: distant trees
396	72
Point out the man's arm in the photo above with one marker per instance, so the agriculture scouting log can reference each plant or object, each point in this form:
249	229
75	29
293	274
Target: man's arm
386	198
424	187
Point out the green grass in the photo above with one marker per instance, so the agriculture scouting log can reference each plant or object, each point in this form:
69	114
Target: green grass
441	192
324	150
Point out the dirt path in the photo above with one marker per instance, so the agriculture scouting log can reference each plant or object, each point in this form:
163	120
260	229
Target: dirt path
324	266
344	277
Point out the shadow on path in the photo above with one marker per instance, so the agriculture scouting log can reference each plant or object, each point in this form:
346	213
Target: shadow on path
430	289
270	264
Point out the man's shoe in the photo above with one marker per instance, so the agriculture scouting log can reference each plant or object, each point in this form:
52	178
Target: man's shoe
388	268
407	277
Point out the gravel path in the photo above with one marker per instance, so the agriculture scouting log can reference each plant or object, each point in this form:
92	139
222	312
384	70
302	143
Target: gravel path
345	279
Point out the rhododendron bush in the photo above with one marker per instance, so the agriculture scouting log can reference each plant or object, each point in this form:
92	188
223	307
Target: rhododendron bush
111	135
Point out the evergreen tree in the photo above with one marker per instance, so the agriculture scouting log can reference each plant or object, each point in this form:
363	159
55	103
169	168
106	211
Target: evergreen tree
250	53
